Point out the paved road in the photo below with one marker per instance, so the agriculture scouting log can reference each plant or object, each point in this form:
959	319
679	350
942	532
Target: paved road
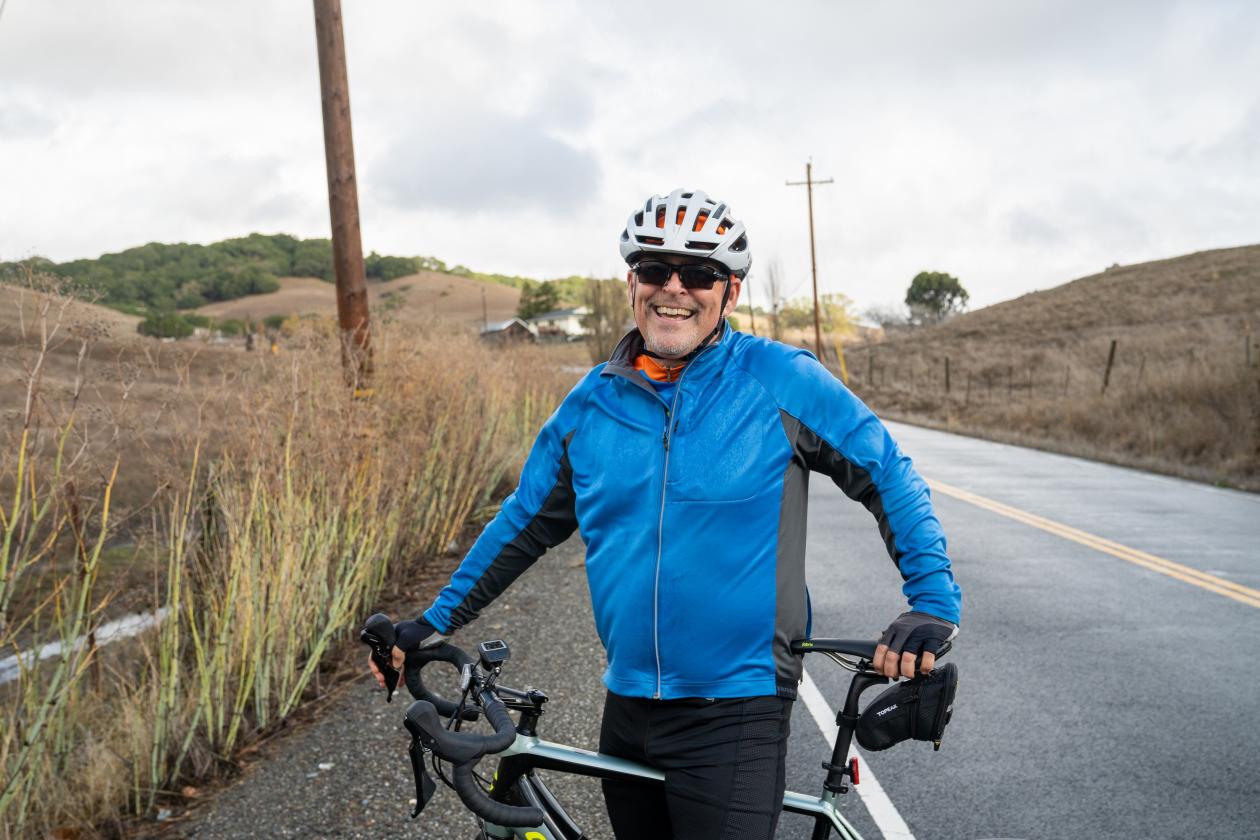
1098	699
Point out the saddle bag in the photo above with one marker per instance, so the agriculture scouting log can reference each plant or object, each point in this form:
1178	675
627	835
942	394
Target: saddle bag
918	708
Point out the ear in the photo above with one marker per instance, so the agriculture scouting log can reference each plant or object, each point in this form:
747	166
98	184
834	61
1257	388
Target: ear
630	287
732	299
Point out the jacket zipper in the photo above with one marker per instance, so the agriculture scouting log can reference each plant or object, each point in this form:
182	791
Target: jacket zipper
670	414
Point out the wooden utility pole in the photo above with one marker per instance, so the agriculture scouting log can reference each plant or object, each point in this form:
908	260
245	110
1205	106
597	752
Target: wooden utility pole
343	195
813	262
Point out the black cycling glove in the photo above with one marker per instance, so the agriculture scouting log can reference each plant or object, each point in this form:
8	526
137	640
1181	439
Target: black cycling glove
918	632
416	633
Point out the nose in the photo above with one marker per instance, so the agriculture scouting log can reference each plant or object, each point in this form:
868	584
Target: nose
674	283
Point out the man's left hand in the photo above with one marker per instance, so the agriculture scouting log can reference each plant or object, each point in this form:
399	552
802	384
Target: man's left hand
911	635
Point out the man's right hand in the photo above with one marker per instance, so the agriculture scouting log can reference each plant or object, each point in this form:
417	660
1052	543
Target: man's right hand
409	635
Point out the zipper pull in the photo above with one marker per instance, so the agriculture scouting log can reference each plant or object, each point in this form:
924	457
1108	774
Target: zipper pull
665	432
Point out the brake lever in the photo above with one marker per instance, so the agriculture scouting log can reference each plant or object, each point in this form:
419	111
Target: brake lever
378	634
425	785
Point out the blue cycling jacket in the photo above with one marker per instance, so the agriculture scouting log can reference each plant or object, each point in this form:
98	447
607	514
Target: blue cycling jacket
693	514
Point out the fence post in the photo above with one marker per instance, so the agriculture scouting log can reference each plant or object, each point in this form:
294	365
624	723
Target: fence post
947	374
1111	358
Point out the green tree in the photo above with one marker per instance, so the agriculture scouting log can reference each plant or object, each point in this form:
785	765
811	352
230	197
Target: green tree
934	295
537	298
165	325
377	267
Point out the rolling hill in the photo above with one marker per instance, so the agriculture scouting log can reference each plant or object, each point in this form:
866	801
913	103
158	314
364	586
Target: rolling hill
1180	397
409	299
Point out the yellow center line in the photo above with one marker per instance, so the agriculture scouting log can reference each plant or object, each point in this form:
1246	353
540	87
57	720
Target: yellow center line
1201	579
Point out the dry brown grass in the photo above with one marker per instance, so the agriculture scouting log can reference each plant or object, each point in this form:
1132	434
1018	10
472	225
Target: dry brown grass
295	504
415	299
1180	400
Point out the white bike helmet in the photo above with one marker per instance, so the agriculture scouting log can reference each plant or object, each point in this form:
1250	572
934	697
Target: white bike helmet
687	222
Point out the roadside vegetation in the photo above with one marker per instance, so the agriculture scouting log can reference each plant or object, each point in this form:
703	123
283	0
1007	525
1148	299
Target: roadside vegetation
284	508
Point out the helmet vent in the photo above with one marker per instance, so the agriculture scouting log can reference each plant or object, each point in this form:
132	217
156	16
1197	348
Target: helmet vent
638	219
660	216
701	218
724	226
740	244
650	240
687	195
700	246
678	217
625	236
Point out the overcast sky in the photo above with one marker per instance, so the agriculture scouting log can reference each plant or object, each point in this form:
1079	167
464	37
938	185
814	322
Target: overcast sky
1016	145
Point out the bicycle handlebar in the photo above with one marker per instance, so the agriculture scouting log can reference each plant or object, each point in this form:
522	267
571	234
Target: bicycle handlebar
424	721
417	659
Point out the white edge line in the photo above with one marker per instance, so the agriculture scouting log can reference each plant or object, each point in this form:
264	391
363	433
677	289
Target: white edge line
128	625
881	808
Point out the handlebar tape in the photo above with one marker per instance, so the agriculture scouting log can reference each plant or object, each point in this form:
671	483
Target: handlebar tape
464	748
460	747
483	806
417	659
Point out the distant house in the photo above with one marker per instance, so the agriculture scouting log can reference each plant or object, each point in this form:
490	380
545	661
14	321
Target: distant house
565	324
509	331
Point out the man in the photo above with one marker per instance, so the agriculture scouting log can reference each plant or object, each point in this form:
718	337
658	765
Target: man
684	462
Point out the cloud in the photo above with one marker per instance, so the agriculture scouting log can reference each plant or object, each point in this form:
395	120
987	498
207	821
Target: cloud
20	119
495	163
1032	228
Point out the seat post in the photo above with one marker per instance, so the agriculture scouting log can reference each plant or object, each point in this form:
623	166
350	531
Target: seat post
846	722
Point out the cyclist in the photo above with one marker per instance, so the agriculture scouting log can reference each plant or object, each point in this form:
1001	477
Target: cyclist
684	463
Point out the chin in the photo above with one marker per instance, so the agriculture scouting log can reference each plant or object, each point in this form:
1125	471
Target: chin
670	346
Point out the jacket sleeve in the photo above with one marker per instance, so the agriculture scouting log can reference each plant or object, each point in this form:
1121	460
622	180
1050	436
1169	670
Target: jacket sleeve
836	434
538	515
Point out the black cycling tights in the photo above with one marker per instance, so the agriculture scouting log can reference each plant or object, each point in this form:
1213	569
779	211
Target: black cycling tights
723	762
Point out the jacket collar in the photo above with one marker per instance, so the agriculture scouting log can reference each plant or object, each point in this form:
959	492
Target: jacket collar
621	363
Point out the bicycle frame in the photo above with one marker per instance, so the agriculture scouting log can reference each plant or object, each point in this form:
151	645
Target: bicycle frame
528	753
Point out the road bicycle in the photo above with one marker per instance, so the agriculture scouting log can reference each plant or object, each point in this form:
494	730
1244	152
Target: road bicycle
515	803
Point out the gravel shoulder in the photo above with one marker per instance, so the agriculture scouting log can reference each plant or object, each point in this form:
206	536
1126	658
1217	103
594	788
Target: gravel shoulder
346	774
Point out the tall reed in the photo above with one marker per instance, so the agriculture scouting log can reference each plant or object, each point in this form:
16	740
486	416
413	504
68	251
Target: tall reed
300	506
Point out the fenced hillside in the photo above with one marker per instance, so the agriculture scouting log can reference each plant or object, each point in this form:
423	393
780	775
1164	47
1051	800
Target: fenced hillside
1155	366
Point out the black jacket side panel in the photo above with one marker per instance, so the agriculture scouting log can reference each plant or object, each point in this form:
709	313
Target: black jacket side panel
791	609
856	482
554	523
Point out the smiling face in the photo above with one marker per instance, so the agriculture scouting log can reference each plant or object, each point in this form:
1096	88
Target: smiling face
672	319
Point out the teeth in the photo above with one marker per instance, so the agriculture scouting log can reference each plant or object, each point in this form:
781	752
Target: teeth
669	310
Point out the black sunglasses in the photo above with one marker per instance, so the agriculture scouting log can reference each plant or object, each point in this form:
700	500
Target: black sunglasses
693	275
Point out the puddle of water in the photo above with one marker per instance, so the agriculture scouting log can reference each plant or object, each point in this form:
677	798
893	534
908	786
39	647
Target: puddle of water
111	631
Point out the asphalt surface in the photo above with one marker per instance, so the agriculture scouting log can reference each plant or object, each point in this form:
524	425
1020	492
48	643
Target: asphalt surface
1097	698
